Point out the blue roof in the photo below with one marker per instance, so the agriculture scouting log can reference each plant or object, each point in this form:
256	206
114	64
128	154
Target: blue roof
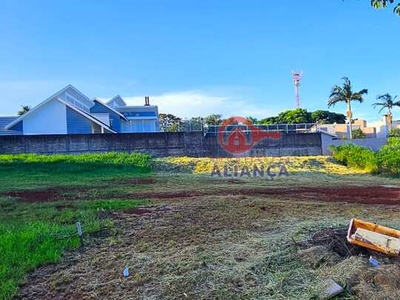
4	121
9	132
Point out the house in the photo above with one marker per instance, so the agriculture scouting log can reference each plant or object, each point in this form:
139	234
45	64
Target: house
138	118
4	121
384	126
71	112
342	130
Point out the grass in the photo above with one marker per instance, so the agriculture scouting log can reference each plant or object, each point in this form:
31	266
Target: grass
210	240
226	246
300	164
30	171
34	234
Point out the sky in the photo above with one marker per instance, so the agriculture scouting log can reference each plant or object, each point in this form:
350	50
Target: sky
194	58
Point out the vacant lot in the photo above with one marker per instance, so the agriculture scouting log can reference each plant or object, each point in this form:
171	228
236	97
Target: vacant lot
194	236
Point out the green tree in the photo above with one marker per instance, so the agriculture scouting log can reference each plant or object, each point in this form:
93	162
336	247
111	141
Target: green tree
327	117
385	3
24	109
292	116
358	134
213	119
252	120
388	102
345	94
194	124
169	122
268	121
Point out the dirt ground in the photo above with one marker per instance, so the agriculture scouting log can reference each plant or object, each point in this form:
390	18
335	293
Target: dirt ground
364	195
211	239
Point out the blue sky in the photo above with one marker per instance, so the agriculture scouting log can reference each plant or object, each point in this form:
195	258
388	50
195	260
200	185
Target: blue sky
198	57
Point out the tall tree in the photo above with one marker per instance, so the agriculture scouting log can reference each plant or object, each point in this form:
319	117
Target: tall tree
214	119
302	116
388	102
24	109
194	124
345	94
384	4
292	116
327	117
169	122
268	121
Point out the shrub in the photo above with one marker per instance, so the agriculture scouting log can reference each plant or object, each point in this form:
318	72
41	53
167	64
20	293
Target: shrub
355	156
385	161
388	157
394	133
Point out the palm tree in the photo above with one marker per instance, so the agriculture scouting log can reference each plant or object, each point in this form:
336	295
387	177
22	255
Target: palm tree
24	110
345	94
388	102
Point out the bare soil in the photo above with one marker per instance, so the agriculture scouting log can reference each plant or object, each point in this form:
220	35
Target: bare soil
134	181
363	195
35	195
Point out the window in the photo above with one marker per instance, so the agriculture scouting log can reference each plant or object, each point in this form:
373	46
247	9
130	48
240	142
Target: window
76	103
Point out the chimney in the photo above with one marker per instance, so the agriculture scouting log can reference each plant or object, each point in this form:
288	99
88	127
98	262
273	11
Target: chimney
146	101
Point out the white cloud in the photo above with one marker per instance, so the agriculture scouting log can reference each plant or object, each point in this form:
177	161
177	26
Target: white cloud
188	104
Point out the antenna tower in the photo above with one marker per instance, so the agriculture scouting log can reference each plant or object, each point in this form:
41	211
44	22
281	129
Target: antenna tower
297	76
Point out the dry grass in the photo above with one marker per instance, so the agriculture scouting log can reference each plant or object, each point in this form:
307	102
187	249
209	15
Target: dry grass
300	164
226	245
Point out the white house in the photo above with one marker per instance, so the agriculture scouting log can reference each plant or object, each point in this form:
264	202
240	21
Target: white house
71	112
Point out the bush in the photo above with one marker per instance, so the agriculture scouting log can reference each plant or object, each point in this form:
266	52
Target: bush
394	133
388	157
355	156
385	161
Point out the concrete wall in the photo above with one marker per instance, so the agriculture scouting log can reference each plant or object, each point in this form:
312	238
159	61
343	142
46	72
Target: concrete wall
374	143
290	144
158	144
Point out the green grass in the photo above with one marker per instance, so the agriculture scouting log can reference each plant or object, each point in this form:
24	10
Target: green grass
30	171
34	234
86	161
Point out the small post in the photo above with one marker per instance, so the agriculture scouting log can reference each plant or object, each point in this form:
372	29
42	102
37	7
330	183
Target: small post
80	233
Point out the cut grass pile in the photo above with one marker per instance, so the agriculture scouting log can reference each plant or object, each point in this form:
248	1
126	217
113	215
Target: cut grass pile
299	164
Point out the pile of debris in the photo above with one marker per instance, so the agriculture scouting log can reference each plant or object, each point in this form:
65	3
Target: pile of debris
344	267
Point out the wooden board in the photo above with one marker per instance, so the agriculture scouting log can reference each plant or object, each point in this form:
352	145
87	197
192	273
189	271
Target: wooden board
392	246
